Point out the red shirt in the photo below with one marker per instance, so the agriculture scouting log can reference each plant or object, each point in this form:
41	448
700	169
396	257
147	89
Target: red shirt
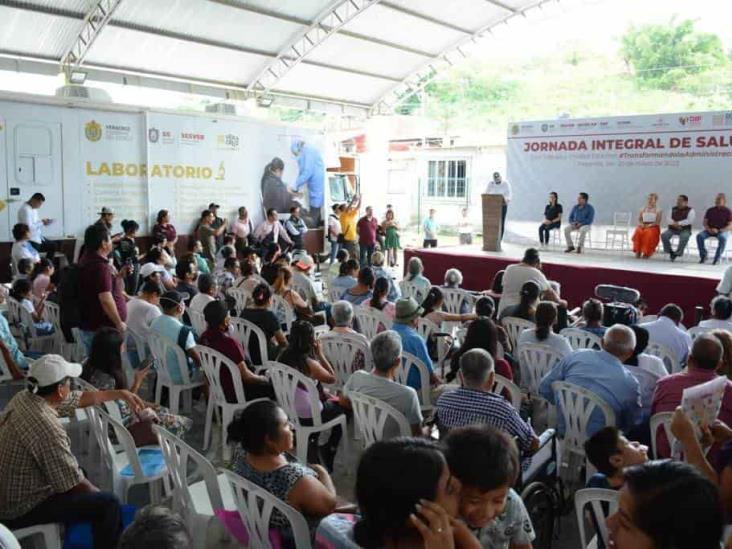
167	230
96	277
668	396
718	217
367	231
231	349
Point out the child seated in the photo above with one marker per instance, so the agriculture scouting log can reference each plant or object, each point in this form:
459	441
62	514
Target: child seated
486	462
610	452
25	268
21	292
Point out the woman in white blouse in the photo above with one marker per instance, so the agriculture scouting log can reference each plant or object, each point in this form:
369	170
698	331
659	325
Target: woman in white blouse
648	232
546	318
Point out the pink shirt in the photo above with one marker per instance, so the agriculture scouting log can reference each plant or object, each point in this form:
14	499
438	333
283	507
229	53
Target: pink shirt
668	396
241	229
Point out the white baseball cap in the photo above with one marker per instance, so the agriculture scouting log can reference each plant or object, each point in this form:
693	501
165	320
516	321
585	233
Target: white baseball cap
149	268
50	369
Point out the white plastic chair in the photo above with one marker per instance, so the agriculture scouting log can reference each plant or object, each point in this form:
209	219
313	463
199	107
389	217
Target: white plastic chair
669	358
286	381
241	297
410	361
196	501
582	339
535	361
300	286
409	289
125	466
29	334
243	331
15	321
141	345
283	311
371	414
454	299
595	497
214	363
514	326
620	230
52	314
255	506
696	331
369	320
577	405
198	321
51	534
341	351
513	389
165	351
426	328
661	419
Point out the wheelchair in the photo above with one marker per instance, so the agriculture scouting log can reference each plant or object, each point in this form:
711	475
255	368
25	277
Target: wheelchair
541	489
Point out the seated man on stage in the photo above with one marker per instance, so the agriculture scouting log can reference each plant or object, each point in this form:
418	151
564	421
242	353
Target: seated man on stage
680	219
717	221
580	219
552	218
648	231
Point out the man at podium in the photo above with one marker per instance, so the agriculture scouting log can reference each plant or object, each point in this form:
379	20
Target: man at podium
502	187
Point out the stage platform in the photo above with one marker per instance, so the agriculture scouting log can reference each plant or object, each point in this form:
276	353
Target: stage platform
684	282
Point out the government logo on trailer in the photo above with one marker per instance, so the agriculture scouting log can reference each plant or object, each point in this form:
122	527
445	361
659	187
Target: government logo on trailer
93	131
153	135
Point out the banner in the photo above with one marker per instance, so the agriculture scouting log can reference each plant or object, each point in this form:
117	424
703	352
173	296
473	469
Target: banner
618	161
112	153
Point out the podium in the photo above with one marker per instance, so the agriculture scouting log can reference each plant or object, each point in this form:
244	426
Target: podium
492	222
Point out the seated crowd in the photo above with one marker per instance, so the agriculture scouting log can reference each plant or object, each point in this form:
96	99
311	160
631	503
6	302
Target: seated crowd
466	401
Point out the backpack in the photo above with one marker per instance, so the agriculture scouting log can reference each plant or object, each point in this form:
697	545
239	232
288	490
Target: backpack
69	300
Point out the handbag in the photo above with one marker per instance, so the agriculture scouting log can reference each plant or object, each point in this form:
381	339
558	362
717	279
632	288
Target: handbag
141	428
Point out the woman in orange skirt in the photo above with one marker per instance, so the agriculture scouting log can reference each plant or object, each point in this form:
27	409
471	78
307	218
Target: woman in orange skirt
648	232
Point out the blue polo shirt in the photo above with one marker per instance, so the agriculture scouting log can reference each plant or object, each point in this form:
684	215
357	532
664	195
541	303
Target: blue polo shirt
583	216
413	343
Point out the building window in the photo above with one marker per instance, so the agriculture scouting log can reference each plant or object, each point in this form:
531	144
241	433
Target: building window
447	178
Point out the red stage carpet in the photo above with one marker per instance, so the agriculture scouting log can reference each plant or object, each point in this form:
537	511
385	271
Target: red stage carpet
578	281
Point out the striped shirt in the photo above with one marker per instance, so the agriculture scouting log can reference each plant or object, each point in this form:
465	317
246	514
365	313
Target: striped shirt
469	407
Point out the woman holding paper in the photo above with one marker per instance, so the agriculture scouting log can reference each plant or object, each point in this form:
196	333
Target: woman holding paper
648	232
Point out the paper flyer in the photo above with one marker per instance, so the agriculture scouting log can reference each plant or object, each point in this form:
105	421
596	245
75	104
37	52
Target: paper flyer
702	403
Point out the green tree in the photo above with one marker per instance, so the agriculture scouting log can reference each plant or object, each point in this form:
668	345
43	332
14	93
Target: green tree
664	56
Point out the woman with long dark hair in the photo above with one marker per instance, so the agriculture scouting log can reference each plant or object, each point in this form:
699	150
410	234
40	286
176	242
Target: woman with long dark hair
380	300
259	312
305	354
526	308
432	306
552	218
104	370
482	334
403	487
264	435
543	334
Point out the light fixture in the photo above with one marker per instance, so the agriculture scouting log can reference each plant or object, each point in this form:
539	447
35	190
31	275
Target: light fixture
265	101
77	77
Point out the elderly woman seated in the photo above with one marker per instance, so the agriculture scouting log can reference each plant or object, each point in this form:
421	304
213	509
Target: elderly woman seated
453	280
342	312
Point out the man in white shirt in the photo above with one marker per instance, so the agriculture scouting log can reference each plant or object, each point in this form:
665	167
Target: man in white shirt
28	214
141	311
502	187
207	292
725	285
680	219
465	229
721	307
666	331
386	351
519	274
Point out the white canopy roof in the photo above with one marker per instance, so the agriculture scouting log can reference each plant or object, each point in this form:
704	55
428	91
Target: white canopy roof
361	54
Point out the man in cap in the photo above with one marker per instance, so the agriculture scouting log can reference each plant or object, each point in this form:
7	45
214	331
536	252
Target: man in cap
106	217
406	316
302	268
170	326
40	480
